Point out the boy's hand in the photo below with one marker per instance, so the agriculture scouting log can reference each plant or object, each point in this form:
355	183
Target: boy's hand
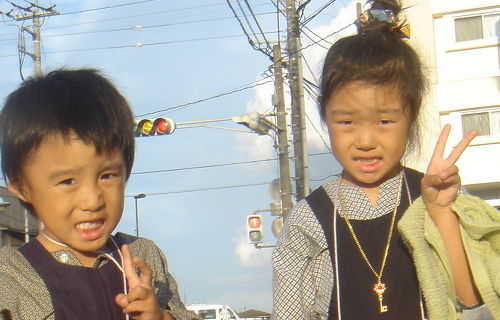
441	182
140	302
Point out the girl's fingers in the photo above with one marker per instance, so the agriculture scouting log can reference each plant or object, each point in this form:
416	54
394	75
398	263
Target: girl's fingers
128	266
437	162
441	143
460	148
138	293
430	181
142	307
449	172
122	300
136	307
145	273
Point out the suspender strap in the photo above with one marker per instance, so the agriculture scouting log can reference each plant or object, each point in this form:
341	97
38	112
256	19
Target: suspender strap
323	209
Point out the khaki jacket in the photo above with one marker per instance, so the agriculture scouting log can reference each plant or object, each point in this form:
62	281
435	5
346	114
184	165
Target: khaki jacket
480	231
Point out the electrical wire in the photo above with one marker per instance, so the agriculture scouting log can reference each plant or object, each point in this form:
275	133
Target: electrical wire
221	187
183	105
140	28
246	19
301	8
249	39
318	133
326	37
258	24
205	189
204	166
308	36
313	74
108	7
277	18
140	15
324	178
216	165
147	44
315	14
315	34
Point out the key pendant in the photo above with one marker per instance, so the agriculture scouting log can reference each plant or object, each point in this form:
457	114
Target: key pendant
379	289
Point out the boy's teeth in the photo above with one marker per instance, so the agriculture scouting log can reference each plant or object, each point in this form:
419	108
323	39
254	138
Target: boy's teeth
88	225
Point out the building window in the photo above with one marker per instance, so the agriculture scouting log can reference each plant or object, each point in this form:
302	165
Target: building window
477	27
486	122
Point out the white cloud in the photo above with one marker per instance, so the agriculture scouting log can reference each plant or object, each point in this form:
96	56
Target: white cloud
248	255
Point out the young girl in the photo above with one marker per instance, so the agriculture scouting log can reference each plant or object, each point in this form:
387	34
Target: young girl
366	245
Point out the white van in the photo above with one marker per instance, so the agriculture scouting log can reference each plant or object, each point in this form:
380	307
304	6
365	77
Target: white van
213	311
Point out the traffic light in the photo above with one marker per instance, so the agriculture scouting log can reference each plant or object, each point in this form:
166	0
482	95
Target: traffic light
154	127
254	228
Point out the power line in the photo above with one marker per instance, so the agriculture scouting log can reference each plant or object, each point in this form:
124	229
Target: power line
137	27
319	134
312	16
258	24
108	7
147	44
136	45
327	36
216	188
324	178
316	35
253	43
179	106
308	36
221	164
126	17
205	166
205	189
140	27
246	19
137	15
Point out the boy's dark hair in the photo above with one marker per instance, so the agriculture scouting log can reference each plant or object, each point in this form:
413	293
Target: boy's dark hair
377	55
64	101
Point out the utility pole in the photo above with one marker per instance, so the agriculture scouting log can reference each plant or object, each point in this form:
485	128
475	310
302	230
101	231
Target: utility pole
298	106
33	12
279	101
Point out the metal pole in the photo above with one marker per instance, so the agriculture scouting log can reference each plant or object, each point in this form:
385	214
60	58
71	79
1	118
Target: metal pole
136	197
136	218
37	55
26	226
285	184
297	93
33	12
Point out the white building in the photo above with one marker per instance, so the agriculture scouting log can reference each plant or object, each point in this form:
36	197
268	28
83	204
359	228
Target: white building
458	41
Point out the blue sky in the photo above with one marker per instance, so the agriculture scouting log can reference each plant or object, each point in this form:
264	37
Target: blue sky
192	50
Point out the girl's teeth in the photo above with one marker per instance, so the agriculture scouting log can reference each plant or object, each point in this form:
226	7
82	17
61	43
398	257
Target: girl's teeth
367	160
88	225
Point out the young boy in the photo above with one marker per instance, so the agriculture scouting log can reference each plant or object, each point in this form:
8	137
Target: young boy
67	148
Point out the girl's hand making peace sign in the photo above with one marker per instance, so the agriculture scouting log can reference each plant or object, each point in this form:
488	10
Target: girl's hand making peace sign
439	188
140	302
441	182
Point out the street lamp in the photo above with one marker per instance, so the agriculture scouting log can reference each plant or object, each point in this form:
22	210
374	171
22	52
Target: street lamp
137	196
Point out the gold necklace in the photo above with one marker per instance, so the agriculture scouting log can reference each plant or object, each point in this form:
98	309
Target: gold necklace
379	287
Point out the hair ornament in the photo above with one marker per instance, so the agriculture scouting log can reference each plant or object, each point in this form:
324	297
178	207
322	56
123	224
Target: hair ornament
385	16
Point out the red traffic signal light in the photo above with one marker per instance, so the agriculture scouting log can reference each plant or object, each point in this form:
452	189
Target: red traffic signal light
254	229
154	127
